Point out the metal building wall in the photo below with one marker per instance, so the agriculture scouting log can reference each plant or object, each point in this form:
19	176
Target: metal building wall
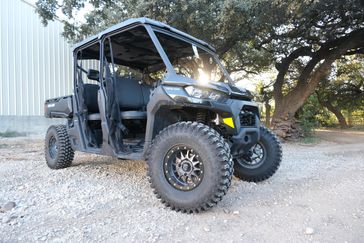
36	61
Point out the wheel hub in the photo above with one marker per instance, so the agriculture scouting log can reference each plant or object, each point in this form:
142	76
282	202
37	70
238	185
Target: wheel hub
53	149
254	157
183	168
186	166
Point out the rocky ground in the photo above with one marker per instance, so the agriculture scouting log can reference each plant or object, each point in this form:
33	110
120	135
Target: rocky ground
317	195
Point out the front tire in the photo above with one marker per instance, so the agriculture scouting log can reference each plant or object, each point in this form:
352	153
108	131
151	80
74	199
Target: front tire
189	167
58	151
262	160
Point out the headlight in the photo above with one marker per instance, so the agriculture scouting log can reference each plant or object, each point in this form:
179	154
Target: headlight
205	94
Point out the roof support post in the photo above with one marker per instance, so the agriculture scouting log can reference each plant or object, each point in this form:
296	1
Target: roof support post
160	50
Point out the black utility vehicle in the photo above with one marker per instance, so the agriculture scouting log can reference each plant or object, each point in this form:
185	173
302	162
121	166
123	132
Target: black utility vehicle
144	90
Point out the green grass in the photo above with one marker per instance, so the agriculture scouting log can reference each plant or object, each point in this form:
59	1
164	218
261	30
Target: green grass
357	128
312	139
12	134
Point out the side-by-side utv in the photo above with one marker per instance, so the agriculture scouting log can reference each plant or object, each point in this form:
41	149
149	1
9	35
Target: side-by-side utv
146	91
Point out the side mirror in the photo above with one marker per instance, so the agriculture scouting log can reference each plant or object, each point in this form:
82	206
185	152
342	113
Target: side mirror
93	74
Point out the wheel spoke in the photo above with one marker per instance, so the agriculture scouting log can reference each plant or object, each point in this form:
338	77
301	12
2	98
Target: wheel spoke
194	174
182	168
196	169
182	177
195	163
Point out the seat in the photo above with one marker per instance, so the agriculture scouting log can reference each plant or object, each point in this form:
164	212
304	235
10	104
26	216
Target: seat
133	115
132	97
90	92
124	115
94	117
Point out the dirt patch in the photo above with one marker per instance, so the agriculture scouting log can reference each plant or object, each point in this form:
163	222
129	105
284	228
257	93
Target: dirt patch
341	136
316	195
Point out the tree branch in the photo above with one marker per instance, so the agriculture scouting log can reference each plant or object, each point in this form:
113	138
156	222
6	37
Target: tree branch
353	52
305	88
283	67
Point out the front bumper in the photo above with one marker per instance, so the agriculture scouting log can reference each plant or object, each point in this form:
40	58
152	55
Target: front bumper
243	134
242	122
245	139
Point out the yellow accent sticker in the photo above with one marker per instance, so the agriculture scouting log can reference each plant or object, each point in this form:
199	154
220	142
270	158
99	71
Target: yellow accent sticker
229	121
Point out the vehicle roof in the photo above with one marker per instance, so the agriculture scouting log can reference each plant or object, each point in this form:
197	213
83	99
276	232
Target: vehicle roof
142	20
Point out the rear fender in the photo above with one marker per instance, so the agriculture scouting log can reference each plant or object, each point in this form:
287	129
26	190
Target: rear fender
60	107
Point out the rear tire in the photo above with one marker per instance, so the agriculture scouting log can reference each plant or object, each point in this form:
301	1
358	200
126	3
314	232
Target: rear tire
269	163
58	151
178	145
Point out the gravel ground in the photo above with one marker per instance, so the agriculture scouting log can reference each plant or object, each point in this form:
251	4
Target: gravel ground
317	195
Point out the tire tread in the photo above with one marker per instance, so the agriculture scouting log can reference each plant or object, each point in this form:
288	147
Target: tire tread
222	153
65	151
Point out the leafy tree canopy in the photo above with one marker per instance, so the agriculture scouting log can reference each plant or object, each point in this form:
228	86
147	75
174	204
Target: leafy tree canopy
344	89
300	38
251	33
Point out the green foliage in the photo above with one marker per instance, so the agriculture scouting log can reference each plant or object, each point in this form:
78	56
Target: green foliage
355	118
345	87
312	115
326	118
348	87
249	35
11	134
301	39
343	91
307	115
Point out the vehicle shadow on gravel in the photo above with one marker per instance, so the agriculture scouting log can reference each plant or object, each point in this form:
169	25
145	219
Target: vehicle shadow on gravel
111	165
124	170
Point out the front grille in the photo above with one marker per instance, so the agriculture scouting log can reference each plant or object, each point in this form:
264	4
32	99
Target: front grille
247	118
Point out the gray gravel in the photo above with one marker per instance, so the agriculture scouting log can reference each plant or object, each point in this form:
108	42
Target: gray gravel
316	195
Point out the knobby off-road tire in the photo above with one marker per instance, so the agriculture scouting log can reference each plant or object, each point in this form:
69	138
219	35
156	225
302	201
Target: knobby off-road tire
269	164
58	151
213	157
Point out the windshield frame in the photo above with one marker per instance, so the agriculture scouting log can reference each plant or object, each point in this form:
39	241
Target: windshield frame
187	40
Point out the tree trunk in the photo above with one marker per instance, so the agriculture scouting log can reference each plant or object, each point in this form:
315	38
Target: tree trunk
268	109
337	112
350	118
341	119
283	122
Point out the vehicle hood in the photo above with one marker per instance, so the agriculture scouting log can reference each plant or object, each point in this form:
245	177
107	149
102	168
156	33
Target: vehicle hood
233	91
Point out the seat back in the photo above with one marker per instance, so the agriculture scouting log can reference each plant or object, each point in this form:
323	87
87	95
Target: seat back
90	97
132	95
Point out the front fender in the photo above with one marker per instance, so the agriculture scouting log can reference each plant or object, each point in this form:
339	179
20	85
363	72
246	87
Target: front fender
174	97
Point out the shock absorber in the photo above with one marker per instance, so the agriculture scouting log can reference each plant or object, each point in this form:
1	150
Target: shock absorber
201	117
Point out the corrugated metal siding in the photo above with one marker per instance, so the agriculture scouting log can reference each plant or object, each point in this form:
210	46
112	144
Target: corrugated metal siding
36	61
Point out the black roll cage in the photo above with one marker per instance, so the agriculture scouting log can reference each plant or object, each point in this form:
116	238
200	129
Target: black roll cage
151	29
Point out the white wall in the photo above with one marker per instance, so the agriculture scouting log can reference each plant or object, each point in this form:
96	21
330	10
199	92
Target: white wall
36	61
